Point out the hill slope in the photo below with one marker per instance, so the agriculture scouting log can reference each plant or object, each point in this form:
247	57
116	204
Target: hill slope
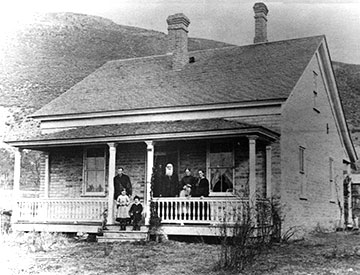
54	51
348	81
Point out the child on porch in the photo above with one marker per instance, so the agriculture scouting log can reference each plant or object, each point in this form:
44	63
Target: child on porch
135	213
185	193
122	205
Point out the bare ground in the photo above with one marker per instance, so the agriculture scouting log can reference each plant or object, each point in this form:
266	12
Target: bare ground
333	253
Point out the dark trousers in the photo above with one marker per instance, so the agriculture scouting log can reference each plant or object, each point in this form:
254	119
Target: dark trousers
135	220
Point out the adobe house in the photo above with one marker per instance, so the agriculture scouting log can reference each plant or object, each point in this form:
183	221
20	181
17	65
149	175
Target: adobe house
264	118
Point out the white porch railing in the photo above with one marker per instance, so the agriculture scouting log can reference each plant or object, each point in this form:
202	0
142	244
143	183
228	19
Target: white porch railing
202	210
59	210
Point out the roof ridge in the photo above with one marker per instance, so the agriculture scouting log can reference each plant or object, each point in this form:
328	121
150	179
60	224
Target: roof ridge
257	44
210	50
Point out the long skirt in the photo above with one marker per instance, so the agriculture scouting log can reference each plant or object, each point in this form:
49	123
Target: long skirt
122	212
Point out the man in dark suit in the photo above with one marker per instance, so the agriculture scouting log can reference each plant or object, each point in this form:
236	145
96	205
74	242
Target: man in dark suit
170	182
122	181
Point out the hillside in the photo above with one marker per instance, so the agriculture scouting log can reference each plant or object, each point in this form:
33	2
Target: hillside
348	81
45	57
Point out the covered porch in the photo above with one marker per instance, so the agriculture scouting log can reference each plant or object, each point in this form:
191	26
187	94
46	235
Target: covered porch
237	154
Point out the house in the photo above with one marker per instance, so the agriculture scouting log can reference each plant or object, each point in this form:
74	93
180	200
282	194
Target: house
263	120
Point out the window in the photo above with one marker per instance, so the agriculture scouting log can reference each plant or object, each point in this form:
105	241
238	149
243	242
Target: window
94	171
331	180
302	178
315	92
221	167
315	81
301	160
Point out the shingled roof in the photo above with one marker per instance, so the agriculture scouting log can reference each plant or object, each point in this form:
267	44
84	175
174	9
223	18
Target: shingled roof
226	75
134	131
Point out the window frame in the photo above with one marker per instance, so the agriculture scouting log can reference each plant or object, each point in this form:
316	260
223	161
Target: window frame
332	180
315	91
302	173
209	167
301	160
85	193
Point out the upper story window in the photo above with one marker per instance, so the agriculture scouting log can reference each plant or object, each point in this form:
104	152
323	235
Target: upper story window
221	167
302	178
331	180
301	160
315	92
94	171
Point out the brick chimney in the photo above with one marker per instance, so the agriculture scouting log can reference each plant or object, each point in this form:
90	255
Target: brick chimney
261	12
178	39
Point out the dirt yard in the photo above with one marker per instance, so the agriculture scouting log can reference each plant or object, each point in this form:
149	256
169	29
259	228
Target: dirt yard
335	253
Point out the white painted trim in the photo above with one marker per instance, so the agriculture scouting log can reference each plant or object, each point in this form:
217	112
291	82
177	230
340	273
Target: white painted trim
111	175
252	177
174	115
46	174
16	187
268	172
133	138
164	110
331	88
149	171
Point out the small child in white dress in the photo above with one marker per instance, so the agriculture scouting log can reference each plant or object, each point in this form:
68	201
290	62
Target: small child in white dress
122	214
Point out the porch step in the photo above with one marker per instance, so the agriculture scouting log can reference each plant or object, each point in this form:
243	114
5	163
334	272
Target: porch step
113	234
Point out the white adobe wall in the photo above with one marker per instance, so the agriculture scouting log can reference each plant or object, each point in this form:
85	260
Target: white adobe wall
318	134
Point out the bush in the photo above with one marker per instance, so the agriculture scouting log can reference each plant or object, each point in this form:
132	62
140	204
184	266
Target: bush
250	235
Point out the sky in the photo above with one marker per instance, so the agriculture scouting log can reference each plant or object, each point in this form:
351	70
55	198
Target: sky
230	21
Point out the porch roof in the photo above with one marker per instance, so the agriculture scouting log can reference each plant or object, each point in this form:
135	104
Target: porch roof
162	130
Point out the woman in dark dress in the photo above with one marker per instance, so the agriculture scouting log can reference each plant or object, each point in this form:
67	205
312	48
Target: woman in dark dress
201	186
201	190
188	180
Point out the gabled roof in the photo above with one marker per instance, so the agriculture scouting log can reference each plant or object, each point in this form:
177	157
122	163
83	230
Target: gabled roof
225	75
139	131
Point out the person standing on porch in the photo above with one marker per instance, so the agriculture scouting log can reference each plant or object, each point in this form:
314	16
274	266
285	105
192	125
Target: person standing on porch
122	181
201	186
188	180
122	216
135	213
170	182
201	190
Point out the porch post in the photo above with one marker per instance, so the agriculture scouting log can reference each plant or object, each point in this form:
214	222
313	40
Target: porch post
268	172
349	200
252	176
112	167
46	175
149	170
16	187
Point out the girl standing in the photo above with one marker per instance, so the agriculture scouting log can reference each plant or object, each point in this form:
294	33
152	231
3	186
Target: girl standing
122	209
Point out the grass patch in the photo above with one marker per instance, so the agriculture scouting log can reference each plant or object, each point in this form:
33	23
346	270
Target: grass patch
68	255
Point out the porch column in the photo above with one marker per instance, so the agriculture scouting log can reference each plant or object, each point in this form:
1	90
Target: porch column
252	176
349	199
149	171
46	174
268	172
16	187
112	167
